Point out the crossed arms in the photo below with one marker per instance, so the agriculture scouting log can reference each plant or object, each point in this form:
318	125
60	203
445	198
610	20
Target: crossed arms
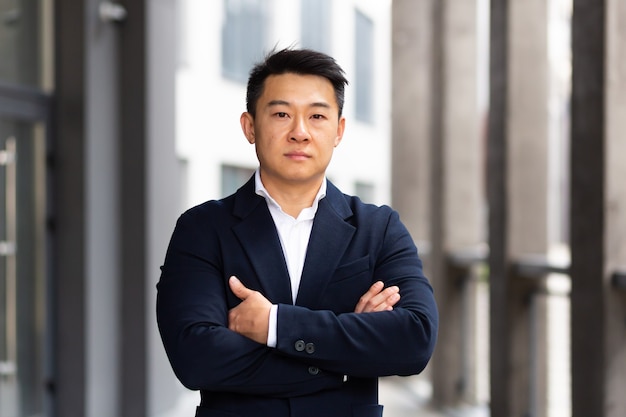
251	317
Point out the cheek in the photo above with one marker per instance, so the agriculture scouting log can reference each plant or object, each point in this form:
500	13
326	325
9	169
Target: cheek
328	153
267	147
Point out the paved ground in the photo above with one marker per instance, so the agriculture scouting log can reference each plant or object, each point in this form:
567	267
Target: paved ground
408	397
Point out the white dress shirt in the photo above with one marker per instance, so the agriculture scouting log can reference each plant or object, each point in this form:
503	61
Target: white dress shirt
294	236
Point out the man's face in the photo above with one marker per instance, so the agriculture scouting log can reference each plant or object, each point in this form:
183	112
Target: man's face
295	130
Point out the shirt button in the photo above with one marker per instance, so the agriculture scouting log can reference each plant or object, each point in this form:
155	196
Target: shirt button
314	370
309	348
299	345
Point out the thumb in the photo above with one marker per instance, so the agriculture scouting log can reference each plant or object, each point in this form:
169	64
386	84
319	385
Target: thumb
238	288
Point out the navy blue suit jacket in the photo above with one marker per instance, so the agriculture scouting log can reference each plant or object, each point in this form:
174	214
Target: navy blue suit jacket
328	359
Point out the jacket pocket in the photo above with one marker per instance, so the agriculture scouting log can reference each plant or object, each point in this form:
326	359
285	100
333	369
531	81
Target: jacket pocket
352	269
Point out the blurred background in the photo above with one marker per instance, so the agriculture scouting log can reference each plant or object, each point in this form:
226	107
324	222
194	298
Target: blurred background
495	128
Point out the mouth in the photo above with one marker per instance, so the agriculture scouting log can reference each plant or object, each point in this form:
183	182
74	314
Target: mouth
297	156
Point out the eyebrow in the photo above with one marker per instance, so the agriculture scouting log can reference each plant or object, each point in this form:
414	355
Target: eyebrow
286	103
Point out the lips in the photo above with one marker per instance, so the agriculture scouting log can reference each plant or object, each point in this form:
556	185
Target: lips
297	155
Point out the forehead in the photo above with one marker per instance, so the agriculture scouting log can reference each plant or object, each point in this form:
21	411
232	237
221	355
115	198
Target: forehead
298	88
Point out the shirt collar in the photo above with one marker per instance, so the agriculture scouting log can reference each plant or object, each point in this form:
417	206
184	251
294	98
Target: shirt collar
262	191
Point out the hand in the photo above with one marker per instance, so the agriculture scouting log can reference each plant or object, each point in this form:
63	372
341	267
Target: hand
251	317
378	298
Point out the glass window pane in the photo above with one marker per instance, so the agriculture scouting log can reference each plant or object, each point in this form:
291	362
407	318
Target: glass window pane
22	47
364	78
365	191
234	177
243	36
315	18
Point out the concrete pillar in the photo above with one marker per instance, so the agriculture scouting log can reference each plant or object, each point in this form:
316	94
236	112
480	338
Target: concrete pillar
411	114
163	185
456	197
517	189
588	300
528	126
70	212
463	128
598	208
528	155
615	238
133	207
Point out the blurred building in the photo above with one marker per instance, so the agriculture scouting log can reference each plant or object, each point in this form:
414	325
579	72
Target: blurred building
494	127
115	117
523	205
89	193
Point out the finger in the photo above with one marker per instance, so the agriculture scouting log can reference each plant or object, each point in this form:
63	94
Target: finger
385	300
367	297
238	288
391	296
232	316
391	301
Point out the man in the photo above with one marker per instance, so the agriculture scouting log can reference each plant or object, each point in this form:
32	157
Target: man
289	298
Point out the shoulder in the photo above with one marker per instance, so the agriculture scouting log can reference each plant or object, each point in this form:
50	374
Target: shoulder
207	208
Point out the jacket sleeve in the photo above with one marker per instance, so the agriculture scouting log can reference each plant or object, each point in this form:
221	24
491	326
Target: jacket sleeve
192	310
397	342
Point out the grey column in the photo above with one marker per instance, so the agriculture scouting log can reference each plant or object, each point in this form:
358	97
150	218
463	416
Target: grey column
615	238
133	209
517	189
411	113
498	208
69	211
102	200
163	185
598	310
456	196
527	189
588	301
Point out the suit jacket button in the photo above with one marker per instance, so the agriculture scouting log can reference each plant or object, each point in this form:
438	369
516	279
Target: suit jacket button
299	345
314	370
309	348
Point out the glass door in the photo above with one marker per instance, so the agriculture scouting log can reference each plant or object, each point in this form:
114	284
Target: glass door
23	269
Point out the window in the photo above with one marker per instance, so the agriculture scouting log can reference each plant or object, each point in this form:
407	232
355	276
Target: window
234	177
315	24
364	77
365	191
182	46
243	36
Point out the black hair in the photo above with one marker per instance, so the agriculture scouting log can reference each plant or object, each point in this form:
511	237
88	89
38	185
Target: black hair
296	61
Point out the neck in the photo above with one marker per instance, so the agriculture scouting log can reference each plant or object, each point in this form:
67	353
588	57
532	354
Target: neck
293	198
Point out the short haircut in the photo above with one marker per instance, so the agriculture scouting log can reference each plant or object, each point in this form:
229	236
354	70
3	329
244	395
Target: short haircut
295	61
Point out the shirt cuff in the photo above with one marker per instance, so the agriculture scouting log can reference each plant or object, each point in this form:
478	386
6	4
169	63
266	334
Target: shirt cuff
271	331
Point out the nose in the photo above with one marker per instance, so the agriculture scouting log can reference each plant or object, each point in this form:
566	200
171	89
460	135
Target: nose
299	132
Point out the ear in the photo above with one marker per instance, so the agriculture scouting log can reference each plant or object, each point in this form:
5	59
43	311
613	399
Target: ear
247	125
340	129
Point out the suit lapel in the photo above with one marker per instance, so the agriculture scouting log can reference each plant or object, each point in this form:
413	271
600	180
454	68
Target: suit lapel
329	239
258	237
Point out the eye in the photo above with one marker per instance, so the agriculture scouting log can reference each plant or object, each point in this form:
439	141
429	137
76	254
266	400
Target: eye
281	114
318	116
